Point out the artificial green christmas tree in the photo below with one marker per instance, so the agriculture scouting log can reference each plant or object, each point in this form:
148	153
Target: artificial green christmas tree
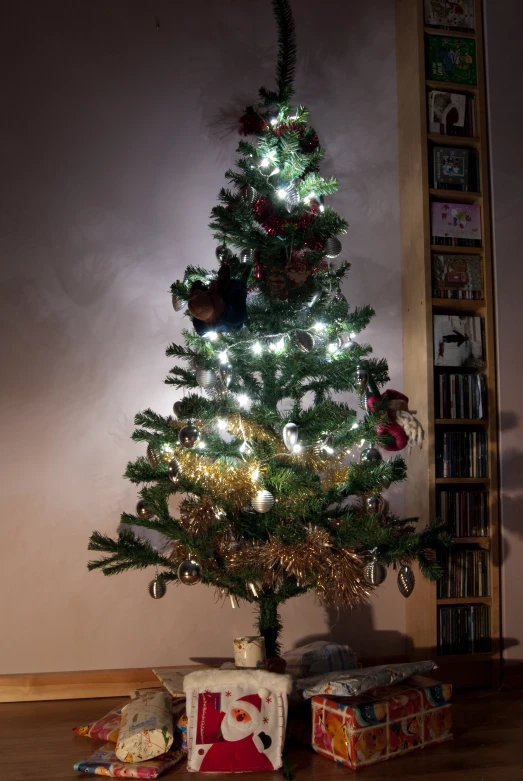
281	484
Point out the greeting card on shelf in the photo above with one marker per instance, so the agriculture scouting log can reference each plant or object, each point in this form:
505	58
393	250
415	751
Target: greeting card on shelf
443	13
458	341
455	223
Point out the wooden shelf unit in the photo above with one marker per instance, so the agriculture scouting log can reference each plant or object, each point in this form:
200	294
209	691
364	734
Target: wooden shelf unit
481	669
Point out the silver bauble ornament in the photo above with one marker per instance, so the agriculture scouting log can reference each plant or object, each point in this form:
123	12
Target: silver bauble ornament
375	572
142	510
225	372
177	409
406	580
152	457
290	435
157	588
315	295
375	504
247	255
371	455
305	341
292	197
347	342
173	470
248	193
332	247
188	436
178	303
205	378
263	501
221	252
324	444
189	572
361	380
339	298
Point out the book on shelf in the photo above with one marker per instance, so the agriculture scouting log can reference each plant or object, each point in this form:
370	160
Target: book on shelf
458	341
457	277
461	454
455	224
458	14
455	169
463	629
465	574
451	113
451	59
464	512
460	396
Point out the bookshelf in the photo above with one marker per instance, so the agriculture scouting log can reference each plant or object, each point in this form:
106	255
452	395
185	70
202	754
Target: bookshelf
474	664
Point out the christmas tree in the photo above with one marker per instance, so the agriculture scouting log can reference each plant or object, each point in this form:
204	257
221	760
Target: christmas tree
281	484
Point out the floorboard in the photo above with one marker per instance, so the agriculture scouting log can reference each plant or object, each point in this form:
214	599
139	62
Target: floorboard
36	744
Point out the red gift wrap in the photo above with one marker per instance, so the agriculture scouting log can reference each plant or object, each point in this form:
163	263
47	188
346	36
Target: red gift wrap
383	723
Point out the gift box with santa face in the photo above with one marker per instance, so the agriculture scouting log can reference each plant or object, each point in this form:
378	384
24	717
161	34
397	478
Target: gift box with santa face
382	723
236	720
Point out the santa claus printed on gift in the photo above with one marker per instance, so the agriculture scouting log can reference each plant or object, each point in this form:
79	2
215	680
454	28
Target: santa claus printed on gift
236	720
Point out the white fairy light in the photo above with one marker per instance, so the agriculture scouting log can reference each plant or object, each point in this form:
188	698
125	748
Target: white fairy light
221	423
297	448
328	449
265	163
332	347
257	348
243	400
211	335
224	358
353	334
275	171
274	121
255	474
322	207
362	443
355	425
201	444
319	326
245	448
281	192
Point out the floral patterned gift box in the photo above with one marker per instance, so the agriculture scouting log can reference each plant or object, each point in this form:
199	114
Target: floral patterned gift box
382	723
146	728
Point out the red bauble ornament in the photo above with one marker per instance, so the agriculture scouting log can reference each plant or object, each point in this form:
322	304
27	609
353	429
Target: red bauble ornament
308	145
395	401
251	123
298	127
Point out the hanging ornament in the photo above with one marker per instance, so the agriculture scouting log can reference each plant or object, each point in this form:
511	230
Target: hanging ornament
371	455
248	194
263	501
247	255
142	510
375	572
332	247
324	444
292	197
339	298
221	252
305	341
157	588
347	342
406	580
315	295
205	378
178	302
177	409
375	503
225	372
290	435
173	470
189	572
188	436
361	380
152	457
403	427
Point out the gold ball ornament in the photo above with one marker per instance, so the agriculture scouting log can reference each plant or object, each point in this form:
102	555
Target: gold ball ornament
173	470
189	572
263	501
157	588
188	436
143	511
152	457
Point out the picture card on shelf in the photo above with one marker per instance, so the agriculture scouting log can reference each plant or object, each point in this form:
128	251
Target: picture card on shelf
451	166
458	341
455	221
451	59
444	13
457	276
446	109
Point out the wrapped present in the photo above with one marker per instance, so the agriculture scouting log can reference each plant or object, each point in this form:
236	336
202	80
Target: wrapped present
106	728
172	678
383	723
236	720
146	728
104	762
319	657
351	683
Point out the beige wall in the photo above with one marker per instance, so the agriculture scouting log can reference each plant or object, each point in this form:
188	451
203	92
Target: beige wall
115	140
505	67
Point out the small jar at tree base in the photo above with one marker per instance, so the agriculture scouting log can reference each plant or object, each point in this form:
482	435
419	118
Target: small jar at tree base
249	652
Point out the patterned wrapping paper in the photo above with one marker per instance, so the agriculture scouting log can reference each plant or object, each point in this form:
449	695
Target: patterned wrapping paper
106	728
319	657
146	728
382	724
104	762
172	678
352	683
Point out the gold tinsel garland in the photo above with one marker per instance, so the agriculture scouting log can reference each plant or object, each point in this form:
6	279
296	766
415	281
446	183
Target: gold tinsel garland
235	484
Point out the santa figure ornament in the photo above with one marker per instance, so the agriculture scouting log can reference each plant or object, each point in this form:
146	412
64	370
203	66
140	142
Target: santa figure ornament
236	720
404	428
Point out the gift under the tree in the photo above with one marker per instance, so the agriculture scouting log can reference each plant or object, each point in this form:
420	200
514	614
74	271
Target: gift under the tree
146	728
382	723
104	762
236	720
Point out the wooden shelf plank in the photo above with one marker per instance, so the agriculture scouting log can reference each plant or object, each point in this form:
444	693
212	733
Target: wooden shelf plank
451	87
458	304
457	141
461	421
458	196
463	480
482	542
465	601
450	249
448	33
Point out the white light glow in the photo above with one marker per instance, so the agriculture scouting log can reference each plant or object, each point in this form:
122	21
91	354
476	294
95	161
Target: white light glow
362	443
201	445
278	346
211	335
281	192
297	448
265	162
353	335
221	423
274	121
328	449
332	348
243	400
255	474
276	171
355	425
244	448
319	326
322	207
257	348
224	358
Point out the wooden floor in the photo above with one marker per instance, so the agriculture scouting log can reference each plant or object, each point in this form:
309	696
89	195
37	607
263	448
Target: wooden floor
36	744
